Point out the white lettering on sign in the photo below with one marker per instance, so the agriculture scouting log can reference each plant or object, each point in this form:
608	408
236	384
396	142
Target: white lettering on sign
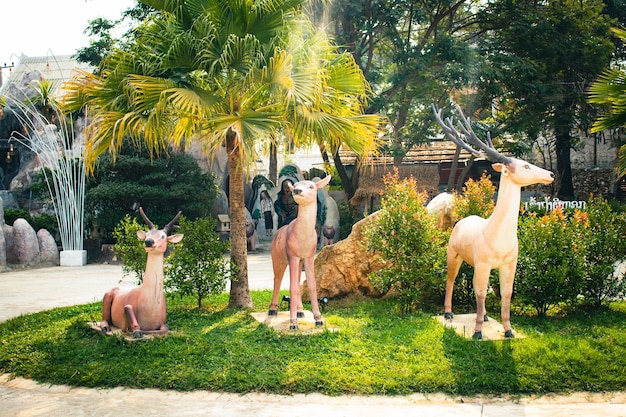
554	203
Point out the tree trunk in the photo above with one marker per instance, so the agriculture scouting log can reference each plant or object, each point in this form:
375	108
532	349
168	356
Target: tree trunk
346	181
273	174
239	288
564	165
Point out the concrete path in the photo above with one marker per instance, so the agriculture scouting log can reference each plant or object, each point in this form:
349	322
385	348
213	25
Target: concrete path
27	291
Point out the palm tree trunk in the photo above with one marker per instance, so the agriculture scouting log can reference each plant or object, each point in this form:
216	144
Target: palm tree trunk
239	288
273	161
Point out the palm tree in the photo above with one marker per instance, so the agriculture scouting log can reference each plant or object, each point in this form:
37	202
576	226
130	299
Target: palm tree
231	73
610	89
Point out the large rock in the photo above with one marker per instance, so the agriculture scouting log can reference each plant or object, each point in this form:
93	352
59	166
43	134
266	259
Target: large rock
342	269
25	244
48	249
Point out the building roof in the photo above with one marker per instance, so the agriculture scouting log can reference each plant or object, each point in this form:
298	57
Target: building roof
434	152
55	68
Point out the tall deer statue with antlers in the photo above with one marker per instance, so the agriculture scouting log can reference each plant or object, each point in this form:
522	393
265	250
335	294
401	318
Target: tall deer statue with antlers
142	308
295	245
491	243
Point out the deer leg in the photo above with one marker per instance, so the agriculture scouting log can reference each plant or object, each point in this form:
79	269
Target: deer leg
481	282
107	302
454	264
507	276
300	310
309	270
134	325
279	272
294	291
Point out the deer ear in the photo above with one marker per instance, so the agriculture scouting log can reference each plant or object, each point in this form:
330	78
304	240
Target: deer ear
141	235
175	238
323	183
498	167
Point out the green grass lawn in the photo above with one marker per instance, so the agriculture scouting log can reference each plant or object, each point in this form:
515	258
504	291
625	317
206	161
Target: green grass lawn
376	351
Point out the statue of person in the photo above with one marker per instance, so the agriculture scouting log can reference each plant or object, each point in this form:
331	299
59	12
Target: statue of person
267	208
285	206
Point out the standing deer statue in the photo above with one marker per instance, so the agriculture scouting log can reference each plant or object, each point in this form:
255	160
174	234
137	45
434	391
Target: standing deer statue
295	245
491	243
141	308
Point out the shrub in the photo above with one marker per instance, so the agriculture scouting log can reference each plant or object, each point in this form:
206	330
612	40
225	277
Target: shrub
43	221
197	266
552	259
606	245
410	245
161	184
476	200
129	248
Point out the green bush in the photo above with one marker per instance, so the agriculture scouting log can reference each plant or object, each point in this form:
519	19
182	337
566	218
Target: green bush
346	220
129	248
197	267
551	267
43	221
411	246
161	184
606	245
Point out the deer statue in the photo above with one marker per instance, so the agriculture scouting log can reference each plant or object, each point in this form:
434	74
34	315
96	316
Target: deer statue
141	308
491	243
295	245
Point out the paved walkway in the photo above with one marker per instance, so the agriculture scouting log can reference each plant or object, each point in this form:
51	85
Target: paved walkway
27	291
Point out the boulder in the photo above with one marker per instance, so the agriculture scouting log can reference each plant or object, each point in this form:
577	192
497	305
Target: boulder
48	249
342	269
25	244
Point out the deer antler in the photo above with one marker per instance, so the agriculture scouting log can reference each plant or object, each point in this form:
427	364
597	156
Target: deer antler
468	135
146	219
170	226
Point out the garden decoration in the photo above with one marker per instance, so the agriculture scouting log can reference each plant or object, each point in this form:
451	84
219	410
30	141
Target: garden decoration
491	243
295	245
142	308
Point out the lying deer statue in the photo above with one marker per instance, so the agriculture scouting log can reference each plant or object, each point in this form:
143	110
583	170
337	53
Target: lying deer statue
142	308
294	245
491	243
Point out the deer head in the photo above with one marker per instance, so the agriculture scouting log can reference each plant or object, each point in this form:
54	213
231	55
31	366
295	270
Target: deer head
518	171
155	240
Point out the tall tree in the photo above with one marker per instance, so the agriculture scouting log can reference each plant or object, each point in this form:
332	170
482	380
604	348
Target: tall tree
230	73
541	58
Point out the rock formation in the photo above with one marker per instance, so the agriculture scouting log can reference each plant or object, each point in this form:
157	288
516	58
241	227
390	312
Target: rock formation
48	249
342	269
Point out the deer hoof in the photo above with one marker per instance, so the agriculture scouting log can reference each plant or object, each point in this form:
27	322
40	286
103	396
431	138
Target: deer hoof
486	318
478	336
293	327
509	334
300	314
448	315
105	329
137	334
319	323
272	312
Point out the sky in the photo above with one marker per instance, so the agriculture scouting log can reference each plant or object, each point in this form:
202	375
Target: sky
43	27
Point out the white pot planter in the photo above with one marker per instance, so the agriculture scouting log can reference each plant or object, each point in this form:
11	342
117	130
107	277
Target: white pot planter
73	257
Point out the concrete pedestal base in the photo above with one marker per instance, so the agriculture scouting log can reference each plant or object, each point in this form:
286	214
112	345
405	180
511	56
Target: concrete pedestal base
73	257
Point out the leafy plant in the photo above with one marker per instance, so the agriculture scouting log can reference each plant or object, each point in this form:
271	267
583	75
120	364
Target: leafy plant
476	199
551	267
129	247
43	221
197	266
161	184
411	246
606	245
